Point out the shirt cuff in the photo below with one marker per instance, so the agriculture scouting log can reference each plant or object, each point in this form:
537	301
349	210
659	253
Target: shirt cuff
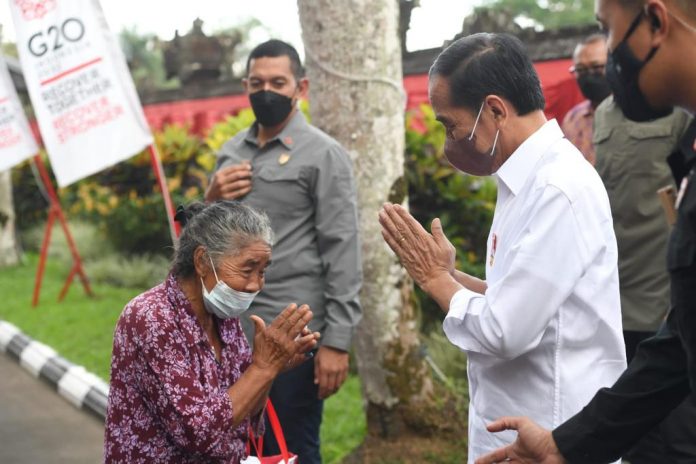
338	337
453	325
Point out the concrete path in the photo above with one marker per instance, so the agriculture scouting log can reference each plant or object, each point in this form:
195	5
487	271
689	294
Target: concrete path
38	425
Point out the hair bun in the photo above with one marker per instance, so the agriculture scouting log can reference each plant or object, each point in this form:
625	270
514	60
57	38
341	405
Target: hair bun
185	213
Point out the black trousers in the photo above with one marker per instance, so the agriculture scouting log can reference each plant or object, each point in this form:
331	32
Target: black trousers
674	439
294	397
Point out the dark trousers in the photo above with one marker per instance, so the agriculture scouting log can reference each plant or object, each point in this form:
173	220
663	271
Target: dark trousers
673	440
294	397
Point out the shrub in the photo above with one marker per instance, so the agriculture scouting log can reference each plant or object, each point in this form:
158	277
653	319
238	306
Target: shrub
228	128
29	202
142	272
101	263
90	241
138	225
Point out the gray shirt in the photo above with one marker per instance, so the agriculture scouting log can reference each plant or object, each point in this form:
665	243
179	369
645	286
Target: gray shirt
631	160
303	180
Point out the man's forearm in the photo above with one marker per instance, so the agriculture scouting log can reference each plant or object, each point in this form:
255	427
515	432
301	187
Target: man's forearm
442	289
472	283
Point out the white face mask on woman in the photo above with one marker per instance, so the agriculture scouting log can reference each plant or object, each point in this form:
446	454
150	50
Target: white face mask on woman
223	301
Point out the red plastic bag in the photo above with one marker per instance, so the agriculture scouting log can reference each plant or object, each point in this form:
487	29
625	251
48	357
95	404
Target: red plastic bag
285	456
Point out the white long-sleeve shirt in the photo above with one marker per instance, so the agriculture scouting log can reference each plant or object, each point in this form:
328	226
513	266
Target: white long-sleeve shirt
547	333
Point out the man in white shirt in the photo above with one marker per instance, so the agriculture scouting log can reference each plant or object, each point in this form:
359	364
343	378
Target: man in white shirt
543	331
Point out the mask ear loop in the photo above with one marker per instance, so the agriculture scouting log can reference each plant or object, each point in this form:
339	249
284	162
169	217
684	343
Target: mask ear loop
471	136
634	24
495	141
683	23
213	266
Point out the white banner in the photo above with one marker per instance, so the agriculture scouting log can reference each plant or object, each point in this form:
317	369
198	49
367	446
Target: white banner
83	96
16	140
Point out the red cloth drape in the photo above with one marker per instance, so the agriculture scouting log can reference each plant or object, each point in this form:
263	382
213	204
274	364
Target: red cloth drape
559	86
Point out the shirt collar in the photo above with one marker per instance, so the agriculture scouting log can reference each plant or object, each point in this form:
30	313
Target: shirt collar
518	167
187	318
286	136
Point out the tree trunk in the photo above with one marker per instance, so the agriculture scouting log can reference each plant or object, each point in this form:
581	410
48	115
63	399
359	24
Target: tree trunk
8	243
353	58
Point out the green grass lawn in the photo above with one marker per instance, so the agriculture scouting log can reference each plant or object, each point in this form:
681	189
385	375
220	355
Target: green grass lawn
81	330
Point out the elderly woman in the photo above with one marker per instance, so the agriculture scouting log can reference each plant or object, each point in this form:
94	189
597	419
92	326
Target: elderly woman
185	386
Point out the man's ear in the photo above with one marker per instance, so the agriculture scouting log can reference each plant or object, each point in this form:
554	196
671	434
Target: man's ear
659	20
245	84
303	87
499	108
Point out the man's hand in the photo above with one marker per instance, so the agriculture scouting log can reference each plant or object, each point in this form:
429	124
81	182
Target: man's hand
330	370
425	257
534	444
307	344
230	182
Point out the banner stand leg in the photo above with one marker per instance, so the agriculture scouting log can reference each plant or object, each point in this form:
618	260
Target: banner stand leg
174	229
44	254
66	286
55	212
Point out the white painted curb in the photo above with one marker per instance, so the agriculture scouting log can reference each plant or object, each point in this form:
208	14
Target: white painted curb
79	386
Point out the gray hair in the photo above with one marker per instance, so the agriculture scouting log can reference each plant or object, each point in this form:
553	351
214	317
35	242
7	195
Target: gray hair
224	228
590	39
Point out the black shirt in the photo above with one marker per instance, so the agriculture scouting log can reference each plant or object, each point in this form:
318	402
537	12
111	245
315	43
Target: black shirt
663	372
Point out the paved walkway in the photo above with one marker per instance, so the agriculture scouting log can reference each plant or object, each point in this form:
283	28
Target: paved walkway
38	425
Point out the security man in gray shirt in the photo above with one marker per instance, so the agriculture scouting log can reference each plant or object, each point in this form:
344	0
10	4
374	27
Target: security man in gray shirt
303	180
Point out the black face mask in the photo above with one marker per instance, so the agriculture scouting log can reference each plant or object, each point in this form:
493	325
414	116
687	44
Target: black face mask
270	108
594	87
623	70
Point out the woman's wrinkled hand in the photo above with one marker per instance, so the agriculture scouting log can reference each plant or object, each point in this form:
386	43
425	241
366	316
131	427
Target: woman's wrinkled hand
284	343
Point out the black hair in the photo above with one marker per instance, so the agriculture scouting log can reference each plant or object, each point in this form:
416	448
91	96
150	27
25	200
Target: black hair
589	40
489	64
275	48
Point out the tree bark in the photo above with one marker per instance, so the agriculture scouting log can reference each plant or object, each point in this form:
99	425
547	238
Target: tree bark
9	254
353	60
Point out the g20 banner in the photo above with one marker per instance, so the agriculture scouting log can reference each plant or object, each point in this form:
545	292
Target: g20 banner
83	96
16	140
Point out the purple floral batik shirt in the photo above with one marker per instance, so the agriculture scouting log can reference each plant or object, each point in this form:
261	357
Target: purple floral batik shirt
577	127
168	400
